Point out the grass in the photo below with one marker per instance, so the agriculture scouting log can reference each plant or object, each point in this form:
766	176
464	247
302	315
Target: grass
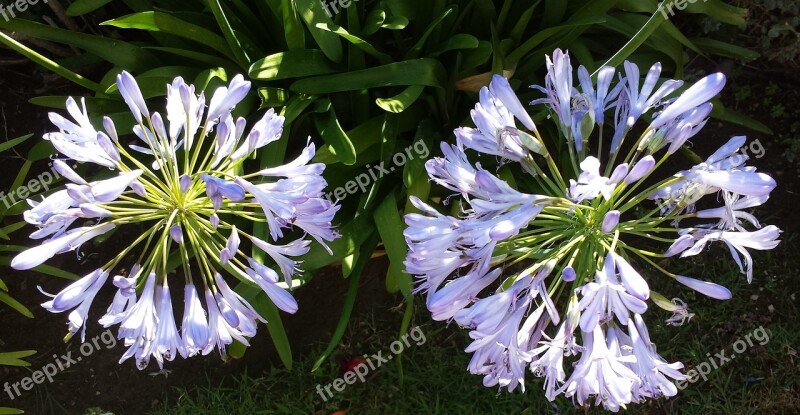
760	379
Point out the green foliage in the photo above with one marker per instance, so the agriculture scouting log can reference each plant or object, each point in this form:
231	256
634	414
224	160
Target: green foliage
774	25
368	80
6	208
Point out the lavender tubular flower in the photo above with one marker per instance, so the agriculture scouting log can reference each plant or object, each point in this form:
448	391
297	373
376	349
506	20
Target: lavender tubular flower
183	199
704	287
510	260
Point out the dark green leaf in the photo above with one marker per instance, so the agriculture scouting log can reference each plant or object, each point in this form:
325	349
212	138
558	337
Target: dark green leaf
401	101
15	358
390	226
295	35
117	52
49	64
16	305
167	23
720	112
14	141
415	51
428	72
272	97
725	49
546	34
235	42
194	55
357	41
81	7
313	14
291	64
334	135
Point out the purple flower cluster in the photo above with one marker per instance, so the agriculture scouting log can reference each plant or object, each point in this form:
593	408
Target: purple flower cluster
544	279
182	182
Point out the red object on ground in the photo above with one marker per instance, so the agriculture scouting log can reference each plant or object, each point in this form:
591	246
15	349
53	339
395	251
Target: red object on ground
349	365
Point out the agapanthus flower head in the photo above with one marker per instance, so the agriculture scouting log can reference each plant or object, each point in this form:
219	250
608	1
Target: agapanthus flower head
180	183
548	274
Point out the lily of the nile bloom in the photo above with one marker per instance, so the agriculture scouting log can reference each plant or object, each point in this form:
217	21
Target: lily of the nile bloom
497	132
559	90
544	270
180	181
655	376
601	373
636	100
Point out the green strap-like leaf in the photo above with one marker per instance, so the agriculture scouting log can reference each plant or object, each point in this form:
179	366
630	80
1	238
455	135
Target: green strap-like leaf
718	10
235	44
313	14
388	135
9	361
257	297
720	112
401	101
725	49
272	97
16	305
546	34
118	52
292	64
522	24
14	141
44	269
163	22
357	41
292	27
655	20
629	24
194	55
373	22
417	48
428	72
81	7
456	42
49	64
22	174
8	229
93	105
390	226
337	138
